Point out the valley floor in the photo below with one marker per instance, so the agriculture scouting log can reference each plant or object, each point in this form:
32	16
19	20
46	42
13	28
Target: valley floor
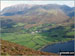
35	41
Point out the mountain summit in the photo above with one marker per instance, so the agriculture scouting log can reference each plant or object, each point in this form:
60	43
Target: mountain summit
21	9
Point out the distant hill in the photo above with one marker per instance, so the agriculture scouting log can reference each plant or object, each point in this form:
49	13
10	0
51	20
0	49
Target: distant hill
35	15
8	48
21	9
32	14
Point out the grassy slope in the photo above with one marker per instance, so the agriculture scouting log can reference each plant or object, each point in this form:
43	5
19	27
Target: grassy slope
9	48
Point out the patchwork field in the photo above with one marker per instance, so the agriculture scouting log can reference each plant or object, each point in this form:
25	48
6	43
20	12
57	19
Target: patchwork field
40	39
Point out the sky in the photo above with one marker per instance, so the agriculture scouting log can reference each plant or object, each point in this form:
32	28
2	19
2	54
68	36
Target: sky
10	3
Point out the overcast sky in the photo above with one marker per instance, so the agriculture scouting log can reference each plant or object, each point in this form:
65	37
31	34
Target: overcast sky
10	3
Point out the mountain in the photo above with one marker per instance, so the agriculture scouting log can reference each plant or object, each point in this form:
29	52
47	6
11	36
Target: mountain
16	9
32	14
9	48
68	10
35	15
21	9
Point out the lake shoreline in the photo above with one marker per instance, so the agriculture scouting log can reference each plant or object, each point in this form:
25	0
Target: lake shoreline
53	44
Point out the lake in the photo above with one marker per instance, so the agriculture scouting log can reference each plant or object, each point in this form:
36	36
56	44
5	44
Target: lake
56	48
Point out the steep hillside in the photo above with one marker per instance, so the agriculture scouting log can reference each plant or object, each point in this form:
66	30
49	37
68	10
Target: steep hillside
38	17
16	9
35	15
8	48
21	9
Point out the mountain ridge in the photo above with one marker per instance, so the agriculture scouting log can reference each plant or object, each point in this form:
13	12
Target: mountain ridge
21	9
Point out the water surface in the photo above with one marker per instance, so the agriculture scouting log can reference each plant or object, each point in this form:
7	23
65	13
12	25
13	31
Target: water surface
56	48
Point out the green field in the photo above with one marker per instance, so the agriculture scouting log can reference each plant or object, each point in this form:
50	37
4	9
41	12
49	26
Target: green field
37	36
34	41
